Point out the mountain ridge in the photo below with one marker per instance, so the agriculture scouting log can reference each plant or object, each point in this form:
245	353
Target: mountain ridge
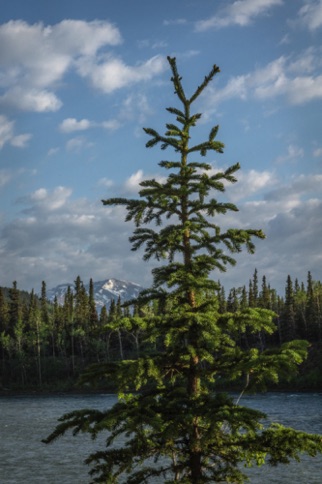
104	291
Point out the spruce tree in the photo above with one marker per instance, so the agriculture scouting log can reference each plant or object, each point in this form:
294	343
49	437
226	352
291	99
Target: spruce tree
36	332
44	304
255	287
93	316
4	320
265	295
288	315
172	417
313	309
15	308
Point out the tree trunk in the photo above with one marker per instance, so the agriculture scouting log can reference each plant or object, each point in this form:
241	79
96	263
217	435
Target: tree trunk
120	344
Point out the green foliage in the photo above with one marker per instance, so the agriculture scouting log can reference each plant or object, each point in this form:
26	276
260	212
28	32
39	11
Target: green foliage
95	340
172	421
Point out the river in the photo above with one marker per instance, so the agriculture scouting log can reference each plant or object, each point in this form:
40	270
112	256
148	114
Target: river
25	420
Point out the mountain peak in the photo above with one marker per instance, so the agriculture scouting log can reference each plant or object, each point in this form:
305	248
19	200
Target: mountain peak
104	291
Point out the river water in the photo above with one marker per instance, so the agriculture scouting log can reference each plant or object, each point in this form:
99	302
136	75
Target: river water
25	420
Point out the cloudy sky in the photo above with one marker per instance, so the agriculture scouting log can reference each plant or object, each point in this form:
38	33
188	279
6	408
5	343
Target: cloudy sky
78	81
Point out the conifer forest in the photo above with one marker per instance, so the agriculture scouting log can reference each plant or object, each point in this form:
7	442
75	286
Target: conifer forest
46	345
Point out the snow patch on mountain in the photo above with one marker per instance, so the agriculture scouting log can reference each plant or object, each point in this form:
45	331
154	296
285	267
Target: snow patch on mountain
104	291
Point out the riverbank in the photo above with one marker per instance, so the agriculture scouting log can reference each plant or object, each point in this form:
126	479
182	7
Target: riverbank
32	392
308	380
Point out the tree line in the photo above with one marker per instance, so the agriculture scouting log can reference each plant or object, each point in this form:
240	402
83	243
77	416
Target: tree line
43	344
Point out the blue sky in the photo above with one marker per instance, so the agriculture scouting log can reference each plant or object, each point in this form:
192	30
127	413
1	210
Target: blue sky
80	79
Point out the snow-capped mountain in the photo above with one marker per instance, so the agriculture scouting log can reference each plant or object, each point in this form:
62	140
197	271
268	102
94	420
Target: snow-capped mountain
104	291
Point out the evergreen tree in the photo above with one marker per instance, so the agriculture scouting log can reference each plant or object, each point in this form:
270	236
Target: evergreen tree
251	298
243	298
47	321
4	320
5	339
288	314
36	330
232	301
93	316
16	329
222	303
68	318
44	304
114	325
112	311
59	329
255	287
311	310
103	320
81	317
314	309
274	300
4	312
300	298
177	411
265	295
15	308
103	332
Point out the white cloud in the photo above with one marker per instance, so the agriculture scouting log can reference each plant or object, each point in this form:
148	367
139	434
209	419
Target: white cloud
282	77
306	62
250	183
135	107
38	100
160	44
178	21
41	55
317	152
235	87
35	58
298	90
112	73
239	12
293	153
291	217
44	200
307	184
5	177
311	14
21	140
291	194
85	38
305	89
39	194
292	245
285	40
53	151
77	144
7	134
132	184
111	124
6	130
297	249
71	124
105	182
55	238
